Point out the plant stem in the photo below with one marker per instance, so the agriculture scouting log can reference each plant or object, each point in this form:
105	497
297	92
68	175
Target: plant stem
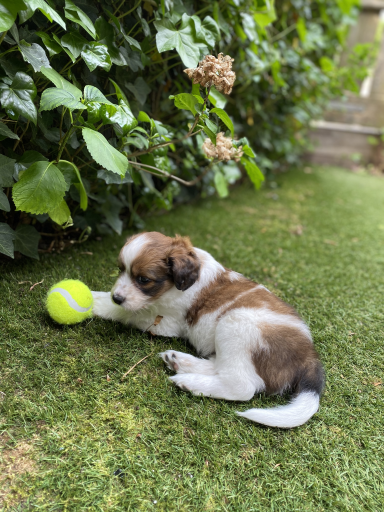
2	37
146	168
21	136
128	12
197	117
162	145
65	140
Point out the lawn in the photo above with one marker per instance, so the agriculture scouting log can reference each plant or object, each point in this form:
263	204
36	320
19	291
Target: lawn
74	436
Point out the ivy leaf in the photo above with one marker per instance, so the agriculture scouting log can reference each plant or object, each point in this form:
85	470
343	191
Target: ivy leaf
7	235
17	98
131	41
50	13
207	31
140	89
92	94
27	241
75	43
34	54
75	14
106	35
221	184
253	172
52	47
8	13
4	203
54	97
61	214
96	54
6	132
186	101
40	188
7	168
60	82
183	40
224	117
105	154
72	177
119	93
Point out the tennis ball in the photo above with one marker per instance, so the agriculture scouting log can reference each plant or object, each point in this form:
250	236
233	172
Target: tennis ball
69	302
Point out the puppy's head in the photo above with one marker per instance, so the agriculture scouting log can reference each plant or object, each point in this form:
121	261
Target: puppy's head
150	265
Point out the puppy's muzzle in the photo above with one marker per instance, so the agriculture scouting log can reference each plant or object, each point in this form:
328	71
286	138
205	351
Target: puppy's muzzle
118	299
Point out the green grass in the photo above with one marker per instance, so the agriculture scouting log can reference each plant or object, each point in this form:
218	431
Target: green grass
194	453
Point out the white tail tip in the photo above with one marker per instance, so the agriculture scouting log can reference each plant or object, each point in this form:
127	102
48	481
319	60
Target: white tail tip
296	413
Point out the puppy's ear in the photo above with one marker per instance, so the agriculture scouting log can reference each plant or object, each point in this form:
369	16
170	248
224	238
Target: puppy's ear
184	266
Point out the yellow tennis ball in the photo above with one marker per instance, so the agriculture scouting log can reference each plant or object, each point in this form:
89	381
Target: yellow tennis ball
69	302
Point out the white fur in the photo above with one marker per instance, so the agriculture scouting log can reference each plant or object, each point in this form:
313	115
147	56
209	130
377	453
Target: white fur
232	337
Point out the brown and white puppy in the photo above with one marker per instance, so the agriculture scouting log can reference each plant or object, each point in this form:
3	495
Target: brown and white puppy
249	340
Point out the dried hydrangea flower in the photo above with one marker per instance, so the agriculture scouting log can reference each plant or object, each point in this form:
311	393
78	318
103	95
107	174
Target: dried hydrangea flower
214	71
224	149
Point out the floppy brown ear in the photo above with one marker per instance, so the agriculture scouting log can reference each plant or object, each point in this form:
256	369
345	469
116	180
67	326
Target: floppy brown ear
183	263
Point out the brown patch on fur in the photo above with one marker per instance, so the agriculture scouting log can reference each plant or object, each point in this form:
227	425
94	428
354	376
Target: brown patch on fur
216	294
14	462
262	298
165	261
290	362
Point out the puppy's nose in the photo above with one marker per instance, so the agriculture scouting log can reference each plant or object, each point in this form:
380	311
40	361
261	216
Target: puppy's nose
118	299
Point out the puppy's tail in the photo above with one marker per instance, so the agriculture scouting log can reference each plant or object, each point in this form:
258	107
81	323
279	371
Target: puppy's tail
302	407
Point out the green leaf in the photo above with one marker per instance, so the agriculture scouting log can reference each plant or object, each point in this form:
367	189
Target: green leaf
248	151
7	168
7	235
69	53
224	117
26	160
208	132
105	154
96	54
27	241
60	82
4	203
52	47
54	97
253	171
75	14
40	188
50	13
111	178
8	13
140	89
75	43
72	177
92	94
326	64
211	125
61	214
216	98
221	184
301	29
143	117
119	114
119	93
17	98
131	41
186	101
183	40
6	132
34	54
268	16
207	31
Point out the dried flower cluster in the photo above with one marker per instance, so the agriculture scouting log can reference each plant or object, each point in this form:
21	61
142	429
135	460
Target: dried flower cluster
224	149
214	71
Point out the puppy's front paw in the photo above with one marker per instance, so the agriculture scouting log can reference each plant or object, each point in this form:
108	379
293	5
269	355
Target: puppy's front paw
180	381
170	359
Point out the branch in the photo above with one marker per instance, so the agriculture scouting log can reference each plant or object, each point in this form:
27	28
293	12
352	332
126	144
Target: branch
163	144
145	167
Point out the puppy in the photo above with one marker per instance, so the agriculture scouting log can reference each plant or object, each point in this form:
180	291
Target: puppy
249	340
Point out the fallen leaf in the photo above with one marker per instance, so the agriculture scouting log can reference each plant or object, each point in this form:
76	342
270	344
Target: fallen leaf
80	381
276	465
330	242
158	319
298	230
108	378
32	287
206	463
351	333
138	436
377	383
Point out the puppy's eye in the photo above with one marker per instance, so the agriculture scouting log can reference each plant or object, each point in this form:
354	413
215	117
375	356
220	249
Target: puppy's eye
143	280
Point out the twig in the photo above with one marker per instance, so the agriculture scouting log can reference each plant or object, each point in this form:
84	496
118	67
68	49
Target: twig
146	168
21	136
134	366
32	287
163	144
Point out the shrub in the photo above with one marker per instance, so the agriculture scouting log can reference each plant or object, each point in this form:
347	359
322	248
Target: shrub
99	123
